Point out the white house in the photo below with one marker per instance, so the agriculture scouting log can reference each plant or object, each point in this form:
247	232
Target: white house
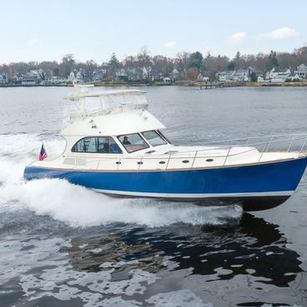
206	79
71	77
174	74
32	77
55	80
146	72
301	71
240	75
275	76
294	77
76	77
121	74
200	77
224	76
79	76
3	78
260	79
99	75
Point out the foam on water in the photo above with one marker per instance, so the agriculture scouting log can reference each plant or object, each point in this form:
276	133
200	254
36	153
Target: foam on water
18	150
80	207
25	145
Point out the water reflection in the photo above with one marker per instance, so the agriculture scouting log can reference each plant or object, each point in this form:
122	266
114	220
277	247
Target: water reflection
255	248
105	251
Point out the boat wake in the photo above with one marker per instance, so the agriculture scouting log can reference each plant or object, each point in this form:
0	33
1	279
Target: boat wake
80	207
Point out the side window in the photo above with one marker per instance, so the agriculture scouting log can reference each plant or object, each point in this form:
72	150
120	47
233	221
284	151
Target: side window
154	138
114	148
133	142
79	146
101	144
90	144
85	145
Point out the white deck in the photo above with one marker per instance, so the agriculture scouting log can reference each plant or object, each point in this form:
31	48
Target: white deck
183	159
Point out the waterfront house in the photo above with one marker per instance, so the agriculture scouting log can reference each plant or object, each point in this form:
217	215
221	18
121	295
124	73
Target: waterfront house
175	74
206	79
76	76
99	75
16	79
146	73
241	75
33	77
294	77
277	76
224	76
3	79
260	79
138	74
301	71
121	75
55	80
156	76
133	74
71	77
79	76
200	77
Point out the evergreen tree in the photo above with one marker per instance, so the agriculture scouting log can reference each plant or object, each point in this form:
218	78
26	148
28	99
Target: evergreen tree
114	66
196	60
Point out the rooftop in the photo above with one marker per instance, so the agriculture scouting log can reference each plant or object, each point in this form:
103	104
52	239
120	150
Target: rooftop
88	102
109	112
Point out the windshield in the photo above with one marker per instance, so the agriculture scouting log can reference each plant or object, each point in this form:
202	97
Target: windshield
133	142
153	138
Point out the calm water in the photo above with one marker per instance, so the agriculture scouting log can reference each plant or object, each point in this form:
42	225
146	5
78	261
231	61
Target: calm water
63	245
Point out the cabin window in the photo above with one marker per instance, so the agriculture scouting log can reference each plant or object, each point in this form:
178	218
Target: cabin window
133	142
100	144
153	138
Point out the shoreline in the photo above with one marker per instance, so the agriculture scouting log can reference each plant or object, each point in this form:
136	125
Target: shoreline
183	83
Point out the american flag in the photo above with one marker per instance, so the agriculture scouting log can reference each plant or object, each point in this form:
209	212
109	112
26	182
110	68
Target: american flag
43	153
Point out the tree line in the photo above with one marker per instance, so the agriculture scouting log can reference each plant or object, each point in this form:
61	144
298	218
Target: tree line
144	66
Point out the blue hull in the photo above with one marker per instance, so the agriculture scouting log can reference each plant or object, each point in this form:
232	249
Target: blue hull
272	182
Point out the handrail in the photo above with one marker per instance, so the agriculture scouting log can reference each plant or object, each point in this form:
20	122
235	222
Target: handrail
196	155
249	145
253	137
303	146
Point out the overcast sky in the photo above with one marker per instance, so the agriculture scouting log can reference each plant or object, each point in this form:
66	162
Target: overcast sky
91	29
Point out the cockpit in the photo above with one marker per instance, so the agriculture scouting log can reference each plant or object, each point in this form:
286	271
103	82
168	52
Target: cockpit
139	141
129	142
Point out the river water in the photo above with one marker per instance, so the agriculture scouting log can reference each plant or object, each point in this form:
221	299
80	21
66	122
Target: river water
63	245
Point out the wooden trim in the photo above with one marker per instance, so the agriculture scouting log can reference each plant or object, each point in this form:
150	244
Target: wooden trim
169	170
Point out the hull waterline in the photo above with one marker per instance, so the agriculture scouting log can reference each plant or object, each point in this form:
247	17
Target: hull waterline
256	187
250	203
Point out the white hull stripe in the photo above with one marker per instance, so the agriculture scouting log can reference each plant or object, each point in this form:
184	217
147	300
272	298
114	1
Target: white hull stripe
197	195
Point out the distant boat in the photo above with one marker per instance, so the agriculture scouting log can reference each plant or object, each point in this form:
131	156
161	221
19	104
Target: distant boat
114	145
